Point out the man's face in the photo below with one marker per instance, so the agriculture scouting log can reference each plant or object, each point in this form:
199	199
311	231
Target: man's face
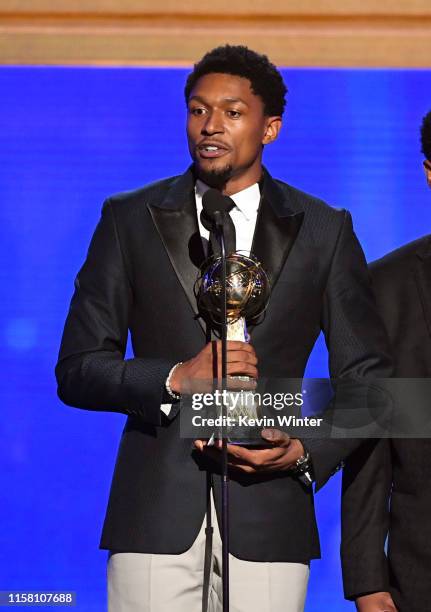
427	168
226	128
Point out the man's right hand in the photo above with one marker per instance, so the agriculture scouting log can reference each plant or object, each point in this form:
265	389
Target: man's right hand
376	602
206	365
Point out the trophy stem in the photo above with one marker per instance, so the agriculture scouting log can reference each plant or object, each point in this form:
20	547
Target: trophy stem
237	330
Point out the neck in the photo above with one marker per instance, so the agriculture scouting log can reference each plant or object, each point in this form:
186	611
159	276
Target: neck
237	183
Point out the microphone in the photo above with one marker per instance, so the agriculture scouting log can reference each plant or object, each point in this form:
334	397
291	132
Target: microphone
215	218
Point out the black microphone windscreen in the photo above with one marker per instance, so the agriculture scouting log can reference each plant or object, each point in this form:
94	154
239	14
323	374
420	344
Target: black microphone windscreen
213	200
215	213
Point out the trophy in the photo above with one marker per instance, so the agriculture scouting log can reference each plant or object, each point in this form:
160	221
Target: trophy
247	294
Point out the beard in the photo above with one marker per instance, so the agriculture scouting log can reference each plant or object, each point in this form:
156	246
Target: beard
216	178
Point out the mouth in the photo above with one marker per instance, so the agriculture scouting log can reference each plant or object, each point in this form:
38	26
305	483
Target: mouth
211	150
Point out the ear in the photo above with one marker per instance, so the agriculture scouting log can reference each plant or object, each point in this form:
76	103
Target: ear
272	129
427	170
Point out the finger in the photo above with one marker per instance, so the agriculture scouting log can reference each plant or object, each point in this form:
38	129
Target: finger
217	445
255	468
237	345
240	464
259	459
199	444
234	356
247	469
244	369
241	357
249	454
275	436
215	347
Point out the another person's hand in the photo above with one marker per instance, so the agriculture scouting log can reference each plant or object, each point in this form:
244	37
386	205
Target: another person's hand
282	456
206	365
376	602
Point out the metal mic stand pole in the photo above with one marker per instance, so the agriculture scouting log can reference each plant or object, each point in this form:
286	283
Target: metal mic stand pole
225	477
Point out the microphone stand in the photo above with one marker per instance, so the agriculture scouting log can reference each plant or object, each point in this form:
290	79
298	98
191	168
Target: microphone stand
218	222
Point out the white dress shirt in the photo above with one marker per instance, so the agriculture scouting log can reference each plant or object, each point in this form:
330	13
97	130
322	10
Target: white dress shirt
244	214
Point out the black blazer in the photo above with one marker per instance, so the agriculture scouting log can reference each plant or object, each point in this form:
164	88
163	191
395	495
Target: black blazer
139	275
397	470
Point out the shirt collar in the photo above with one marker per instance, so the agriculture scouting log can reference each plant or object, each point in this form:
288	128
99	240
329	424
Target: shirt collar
247	200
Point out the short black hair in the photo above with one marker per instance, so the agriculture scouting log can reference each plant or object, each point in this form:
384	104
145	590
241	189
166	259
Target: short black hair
426	136
238	60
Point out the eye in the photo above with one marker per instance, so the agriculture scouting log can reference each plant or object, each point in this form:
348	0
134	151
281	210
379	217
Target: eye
234	114
197	111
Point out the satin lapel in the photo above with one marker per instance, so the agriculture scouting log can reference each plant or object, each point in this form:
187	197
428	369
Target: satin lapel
176	221
277	227
423	278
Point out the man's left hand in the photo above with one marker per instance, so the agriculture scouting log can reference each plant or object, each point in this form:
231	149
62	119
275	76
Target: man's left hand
282	456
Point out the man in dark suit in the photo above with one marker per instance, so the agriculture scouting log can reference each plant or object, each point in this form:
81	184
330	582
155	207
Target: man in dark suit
139	275
386	484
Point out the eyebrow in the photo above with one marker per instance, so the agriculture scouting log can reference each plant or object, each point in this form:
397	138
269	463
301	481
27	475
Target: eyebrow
228	100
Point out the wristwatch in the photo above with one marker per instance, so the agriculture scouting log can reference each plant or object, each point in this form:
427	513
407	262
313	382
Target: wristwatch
303	469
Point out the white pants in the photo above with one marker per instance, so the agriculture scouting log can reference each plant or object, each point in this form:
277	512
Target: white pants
140	582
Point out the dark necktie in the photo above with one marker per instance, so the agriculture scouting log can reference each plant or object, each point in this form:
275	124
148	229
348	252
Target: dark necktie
226	204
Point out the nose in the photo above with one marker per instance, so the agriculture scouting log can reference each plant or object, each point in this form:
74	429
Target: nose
213	124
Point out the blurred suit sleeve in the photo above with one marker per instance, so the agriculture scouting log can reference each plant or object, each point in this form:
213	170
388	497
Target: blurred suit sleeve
367	481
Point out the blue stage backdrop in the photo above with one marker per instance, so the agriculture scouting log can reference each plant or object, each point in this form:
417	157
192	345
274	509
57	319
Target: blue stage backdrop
69	138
